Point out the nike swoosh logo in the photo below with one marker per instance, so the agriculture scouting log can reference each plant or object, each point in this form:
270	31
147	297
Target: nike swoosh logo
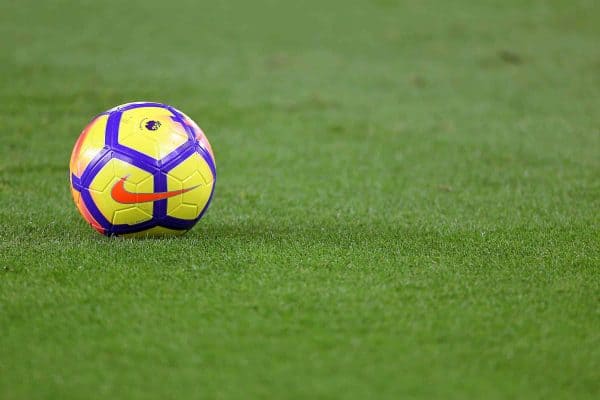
122	195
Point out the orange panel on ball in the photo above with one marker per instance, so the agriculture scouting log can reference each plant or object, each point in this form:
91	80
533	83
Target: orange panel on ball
89	144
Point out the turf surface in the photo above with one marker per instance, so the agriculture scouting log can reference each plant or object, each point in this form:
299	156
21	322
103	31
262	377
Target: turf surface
407	204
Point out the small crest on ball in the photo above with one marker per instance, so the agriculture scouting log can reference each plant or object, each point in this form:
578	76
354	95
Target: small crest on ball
152	125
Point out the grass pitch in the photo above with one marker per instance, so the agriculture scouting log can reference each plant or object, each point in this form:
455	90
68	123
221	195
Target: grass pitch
407	203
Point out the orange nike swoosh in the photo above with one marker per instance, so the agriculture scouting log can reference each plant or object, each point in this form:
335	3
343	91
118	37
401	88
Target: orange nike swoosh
122	195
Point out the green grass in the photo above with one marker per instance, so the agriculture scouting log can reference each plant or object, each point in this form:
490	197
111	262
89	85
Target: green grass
407	207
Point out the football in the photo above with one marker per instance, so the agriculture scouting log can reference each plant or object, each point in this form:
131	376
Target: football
142	169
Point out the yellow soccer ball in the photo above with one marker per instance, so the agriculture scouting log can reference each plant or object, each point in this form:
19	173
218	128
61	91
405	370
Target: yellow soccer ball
142	169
